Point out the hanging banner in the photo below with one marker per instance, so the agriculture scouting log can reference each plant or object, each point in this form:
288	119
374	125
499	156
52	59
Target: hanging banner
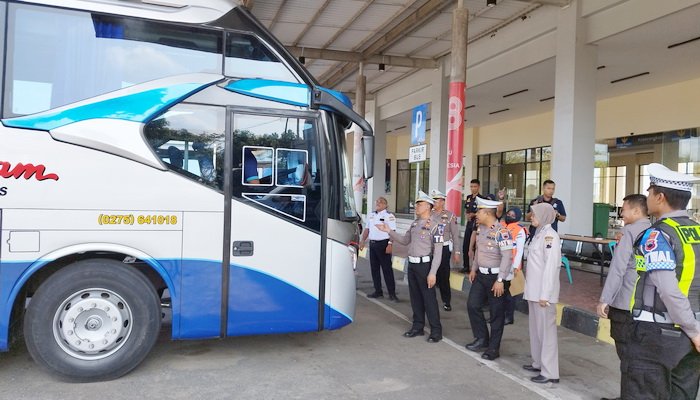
455	145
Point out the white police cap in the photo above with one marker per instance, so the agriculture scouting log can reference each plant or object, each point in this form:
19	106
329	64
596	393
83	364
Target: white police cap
659	175
485	203
436	194
424	197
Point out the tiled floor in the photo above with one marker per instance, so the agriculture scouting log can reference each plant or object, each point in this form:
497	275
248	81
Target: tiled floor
583	293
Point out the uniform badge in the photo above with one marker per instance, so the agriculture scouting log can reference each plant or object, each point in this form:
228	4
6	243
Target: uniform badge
505	235
651	242
548	241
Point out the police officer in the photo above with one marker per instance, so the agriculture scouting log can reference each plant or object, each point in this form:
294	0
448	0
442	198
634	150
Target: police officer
447	232
663	348
489	270
380	249
423	262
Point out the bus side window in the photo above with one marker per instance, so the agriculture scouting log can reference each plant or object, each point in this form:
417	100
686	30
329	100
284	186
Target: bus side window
189	139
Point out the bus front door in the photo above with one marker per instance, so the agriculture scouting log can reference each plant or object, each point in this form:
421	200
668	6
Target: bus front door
275	268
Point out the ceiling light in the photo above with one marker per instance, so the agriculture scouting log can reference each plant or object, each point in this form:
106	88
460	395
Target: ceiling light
490	3
302	59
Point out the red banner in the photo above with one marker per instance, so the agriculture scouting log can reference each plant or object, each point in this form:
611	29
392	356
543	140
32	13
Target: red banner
455	144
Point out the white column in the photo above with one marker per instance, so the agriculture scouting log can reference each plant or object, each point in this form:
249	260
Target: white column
574	121
376	185
438	131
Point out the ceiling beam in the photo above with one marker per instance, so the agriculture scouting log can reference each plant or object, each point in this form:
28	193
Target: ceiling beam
355	57
409	24
560	3
277	15
311	22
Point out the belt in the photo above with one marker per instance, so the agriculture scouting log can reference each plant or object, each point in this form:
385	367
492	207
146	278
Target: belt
378	241
489	271
447	243
418	260
648	316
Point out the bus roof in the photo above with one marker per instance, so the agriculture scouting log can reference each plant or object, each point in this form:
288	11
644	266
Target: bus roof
188	11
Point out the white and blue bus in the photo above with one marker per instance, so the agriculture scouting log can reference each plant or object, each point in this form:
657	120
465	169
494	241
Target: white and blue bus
165	154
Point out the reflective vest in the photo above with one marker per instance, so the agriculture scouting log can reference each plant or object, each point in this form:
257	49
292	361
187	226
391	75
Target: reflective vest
514	230
683	234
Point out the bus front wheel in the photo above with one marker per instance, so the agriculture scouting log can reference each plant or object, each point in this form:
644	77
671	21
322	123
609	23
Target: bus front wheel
94	320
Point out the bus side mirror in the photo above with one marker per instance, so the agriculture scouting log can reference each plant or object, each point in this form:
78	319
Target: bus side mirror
368	155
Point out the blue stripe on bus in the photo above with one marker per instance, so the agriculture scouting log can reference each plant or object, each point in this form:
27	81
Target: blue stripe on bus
136	107
295	94
259	303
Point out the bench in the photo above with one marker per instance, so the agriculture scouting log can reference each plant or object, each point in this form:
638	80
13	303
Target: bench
589	250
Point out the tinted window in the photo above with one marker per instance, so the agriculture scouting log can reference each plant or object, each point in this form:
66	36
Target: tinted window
189	139
247	57
56	57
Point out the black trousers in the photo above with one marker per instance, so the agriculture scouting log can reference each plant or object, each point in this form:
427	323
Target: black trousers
480	294
379	259
509	306
660	363
468	231
620	328
423	299
443	276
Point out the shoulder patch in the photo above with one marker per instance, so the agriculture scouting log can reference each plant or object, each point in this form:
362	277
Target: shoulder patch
652	241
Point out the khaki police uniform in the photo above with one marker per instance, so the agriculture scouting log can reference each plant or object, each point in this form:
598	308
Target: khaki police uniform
492	262
423	260
619	284
379	260
447	233
662	361
542	283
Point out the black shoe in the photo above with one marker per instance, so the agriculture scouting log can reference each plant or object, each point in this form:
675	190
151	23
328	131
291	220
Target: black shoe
375	295
529	367
490	355
477	345
447	307
463	271
543	379
508	321
434	339
393	298
413	333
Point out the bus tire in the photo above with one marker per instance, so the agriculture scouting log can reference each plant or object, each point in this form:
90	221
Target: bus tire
94	320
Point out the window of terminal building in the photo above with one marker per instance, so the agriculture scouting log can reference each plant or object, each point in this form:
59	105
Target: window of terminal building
519	172
406	183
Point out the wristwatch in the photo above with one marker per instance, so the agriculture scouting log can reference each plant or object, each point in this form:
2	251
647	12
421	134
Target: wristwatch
499	280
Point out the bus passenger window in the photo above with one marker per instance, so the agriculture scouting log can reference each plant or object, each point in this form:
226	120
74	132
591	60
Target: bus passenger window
189	139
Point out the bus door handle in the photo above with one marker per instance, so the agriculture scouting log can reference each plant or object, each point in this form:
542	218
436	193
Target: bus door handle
243	248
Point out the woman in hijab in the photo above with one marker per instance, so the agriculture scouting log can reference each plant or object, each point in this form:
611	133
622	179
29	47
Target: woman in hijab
542	294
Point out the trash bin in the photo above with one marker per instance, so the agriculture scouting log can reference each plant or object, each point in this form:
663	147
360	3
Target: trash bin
601	215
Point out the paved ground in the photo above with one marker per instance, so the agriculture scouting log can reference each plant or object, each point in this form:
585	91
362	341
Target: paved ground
367	360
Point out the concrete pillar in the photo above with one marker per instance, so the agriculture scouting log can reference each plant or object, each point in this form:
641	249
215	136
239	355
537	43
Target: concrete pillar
358	181
437	149
574	121
376	186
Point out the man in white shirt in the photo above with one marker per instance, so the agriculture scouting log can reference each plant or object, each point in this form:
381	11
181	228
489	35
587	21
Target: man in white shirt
380	249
